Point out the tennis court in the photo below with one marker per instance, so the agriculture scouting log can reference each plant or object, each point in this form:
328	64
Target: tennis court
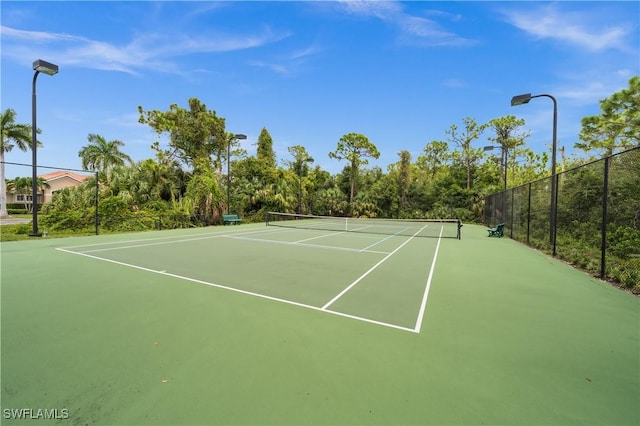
312	322
368	270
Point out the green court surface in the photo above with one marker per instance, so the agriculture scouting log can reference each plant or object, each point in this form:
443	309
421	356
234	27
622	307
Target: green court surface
262	325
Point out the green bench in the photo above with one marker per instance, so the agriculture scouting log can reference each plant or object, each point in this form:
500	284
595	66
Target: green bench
230	219
498	231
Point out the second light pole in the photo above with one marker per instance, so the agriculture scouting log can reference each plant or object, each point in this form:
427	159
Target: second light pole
49	69
524	99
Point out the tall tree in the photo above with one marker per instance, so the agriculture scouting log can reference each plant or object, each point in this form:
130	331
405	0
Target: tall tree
355	148
300	166
203	189
12	134
404	178
434	155
194	134
618	127
265	152
463	139
101	155
507	136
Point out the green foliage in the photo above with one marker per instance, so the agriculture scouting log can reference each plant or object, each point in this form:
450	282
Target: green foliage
22	185
356	149
12	211
204	191
15	232
264	151
101	155
12	134
467	155
624	242
617	127
195	134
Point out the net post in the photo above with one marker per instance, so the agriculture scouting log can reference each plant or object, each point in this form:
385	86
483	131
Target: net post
603	235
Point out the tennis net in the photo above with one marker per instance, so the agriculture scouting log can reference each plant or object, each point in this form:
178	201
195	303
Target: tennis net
445	228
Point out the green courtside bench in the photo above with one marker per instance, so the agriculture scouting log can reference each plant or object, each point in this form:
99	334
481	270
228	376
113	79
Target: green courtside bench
498	231
230	219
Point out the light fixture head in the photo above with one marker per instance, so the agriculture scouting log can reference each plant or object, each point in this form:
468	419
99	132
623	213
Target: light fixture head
521	99
239	136
45	67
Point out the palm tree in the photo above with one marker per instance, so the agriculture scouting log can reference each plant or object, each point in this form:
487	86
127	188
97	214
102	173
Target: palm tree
22	185
162	178
11	135
102	155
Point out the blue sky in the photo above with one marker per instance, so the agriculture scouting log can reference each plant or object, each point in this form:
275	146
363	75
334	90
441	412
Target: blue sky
400	73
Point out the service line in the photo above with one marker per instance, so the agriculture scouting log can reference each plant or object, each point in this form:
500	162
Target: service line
361	277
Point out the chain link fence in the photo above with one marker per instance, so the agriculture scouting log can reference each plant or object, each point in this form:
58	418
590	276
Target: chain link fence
597	217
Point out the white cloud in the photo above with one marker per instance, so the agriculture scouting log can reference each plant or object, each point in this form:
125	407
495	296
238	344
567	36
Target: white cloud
306	52
455	83
576	28
288	63
277	68
378	9
413	29
149	51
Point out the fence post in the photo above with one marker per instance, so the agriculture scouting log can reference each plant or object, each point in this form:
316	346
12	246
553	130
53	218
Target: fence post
554	214
605	196
529	214
512	205
97	219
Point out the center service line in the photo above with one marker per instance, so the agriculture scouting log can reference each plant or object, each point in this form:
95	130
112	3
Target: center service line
332	301
423	306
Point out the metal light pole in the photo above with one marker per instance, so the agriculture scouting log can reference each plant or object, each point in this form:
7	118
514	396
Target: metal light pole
524	99
233	137
50	69
306	160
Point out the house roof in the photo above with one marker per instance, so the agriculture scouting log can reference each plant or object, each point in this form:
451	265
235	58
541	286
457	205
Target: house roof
64	173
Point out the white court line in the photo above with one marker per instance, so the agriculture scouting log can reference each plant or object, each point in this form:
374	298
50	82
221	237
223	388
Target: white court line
295	243
153	244
350	286
381	241
219	233
224	287
179	239
320	236
423	306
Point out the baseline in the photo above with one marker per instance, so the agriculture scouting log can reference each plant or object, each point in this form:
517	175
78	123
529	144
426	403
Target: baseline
147	242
